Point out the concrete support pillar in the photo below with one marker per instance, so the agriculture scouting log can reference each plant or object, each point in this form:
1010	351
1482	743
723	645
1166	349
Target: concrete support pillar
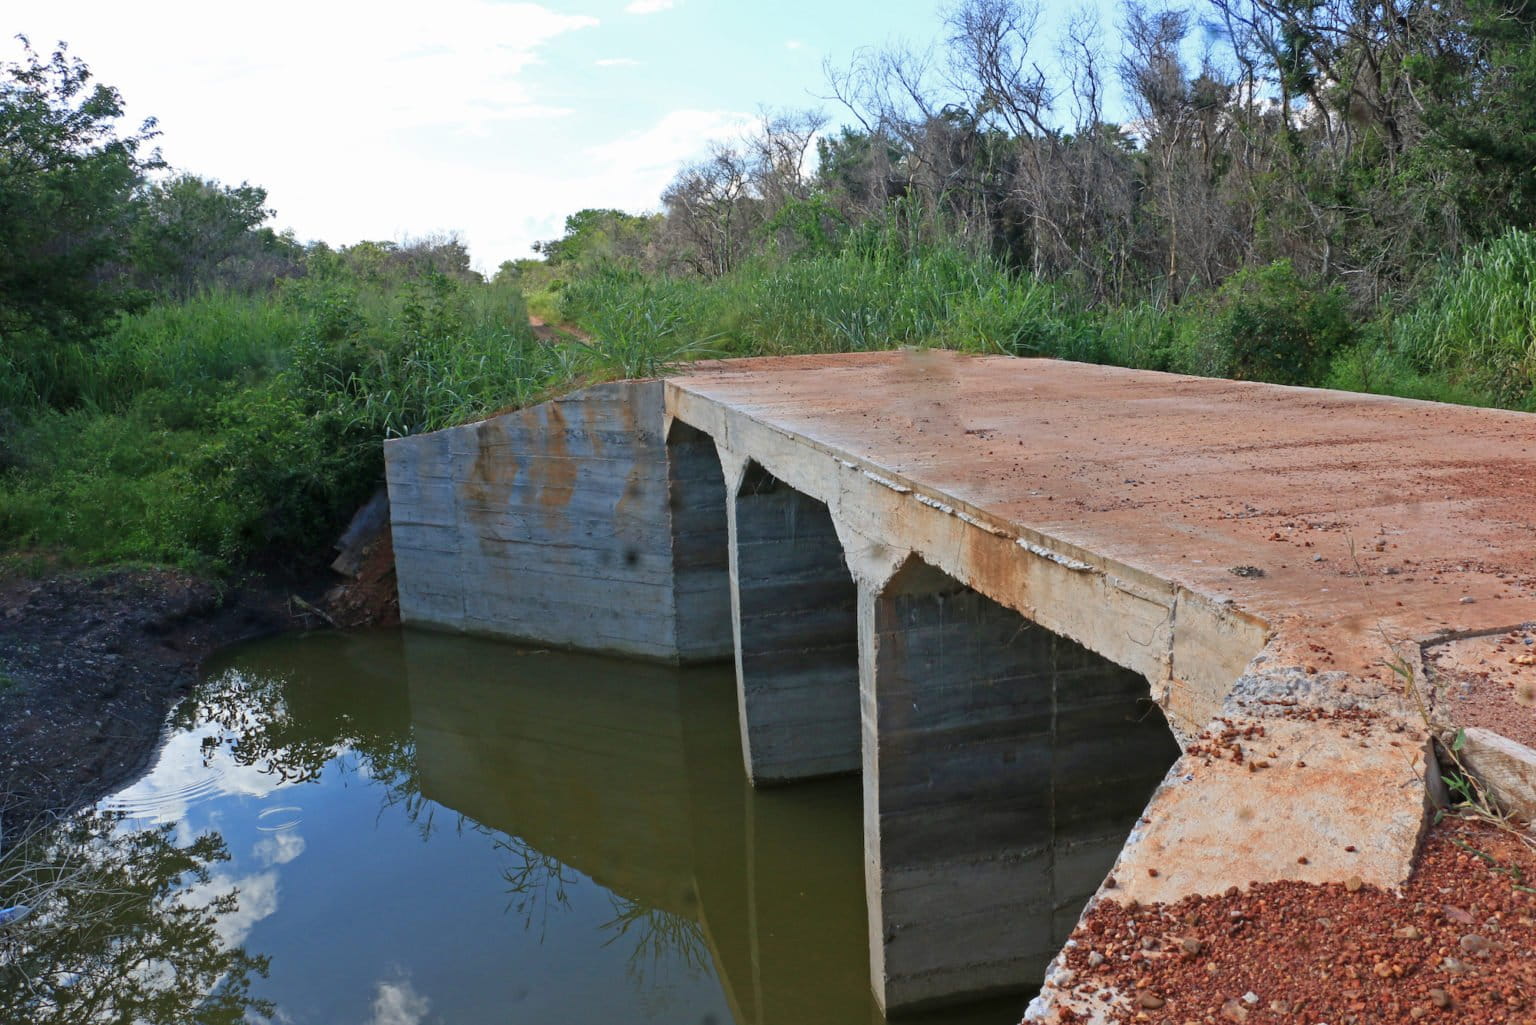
1003	767
795	612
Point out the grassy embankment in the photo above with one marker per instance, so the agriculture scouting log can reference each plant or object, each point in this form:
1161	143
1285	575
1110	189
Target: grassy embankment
1469	338
210	432
206	433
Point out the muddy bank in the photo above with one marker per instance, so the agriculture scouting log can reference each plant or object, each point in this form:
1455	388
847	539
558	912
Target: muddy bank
92	662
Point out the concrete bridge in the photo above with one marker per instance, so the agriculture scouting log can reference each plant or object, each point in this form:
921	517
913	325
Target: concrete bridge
1087	633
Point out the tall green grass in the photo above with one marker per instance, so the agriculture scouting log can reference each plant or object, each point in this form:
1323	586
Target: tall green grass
192	347
1476	324
1266	324
844	302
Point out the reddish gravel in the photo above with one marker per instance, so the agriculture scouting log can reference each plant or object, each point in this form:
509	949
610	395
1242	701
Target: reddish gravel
1458	945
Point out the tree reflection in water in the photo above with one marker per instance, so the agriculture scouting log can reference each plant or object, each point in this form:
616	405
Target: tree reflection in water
297	747
536	882
661	938
124	930
115	933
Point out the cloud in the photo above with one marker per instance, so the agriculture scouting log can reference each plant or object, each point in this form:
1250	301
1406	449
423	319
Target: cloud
328	105
398	1003
616	62
257	896
649	6
278	848
793	44
679	136
179	782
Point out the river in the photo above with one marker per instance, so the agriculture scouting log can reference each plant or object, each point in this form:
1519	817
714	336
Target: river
422	828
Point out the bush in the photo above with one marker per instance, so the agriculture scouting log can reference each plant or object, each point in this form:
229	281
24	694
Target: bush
866	296
228	426
1263	324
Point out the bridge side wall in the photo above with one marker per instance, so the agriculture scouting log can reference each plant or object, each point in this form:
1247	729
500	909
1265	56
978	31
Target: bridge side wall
550	525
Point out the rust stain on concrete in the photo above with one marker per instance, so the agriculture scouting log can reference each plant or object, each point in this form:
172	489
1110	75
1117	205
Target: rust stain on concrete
553	475
495	467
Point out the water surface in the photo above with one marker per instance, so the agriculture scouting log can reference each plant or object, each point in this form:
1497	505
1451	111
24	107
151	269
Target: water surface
425	829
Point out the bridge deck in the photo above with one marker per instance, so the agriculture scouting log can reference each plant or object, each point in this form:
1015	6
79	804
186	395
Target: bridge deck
1363	514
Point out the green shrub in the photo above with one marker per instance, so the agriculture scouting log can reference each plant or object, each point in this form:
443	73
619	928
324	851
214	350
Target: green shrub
1263	324
876	294
225	426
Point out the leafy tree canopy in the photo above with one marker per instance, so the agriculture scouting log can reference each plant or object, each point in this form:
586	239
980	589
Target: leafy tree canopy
68	176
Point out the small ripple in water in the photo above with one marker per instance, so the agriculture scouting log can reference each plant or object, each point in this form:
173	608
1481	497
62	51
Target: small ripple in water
275	820
148	805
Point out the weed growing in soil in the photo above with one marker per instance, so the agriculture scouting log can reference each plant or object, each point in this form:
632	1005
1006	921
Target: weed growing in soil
1470	799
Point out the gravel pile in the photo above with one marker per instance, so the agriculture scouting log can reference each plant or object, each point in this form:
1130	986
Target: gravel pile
1459	944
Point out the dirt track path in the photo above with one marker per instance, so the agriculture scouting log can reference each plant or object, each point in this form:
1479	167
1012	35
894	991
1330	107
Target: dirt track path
552	334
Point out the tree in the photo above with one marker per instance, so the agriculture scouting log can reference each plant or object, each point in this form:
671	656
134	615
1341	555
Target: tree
193	232
1481	108
594	235
68	175
711	210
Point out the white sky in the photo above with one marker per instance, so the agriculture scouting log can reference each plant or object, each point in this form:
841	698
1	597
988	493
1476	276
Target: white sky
493	119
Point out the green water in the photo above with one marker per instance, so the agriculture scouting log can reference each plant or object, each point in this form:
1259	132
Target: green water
428	829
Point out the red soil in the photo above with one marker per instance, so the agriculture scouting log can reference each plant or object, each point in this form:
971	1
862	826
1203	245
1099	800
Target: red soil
1458	944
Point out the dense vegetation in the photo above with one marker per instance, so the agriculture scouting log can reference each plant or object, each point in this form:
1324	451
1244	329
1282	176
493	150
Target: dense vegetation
1332	194
179	384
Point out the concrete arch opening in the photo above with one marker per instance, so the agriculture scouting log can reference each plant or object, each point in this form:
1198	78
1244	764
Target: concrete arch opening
795	610
1003	767
700	543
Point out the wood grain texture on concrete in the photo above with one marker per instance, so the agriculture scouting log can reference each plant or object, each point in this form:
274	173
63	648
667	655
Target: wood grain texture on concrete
553	525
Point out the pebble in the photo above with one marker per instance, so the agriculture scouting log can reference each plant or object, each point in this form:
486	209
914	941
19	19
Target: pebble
1150	1001
1095	959
1472	943
1440	998
1353	883
1407	932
